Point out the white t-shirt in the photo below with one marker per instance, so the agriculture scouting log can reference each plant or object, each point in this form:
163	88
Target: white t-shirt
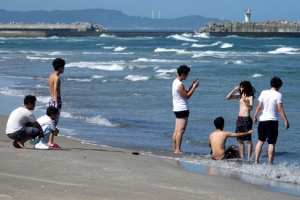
46	120
179	103
18	119
270	100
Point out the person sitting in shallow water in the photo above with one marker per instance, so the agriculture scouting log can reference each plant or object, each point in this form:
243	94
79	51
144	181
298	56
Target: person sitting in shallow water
217	141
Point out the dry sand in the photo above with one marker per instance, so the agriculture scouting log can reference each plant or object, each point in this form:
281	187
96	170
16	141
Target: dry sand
82	171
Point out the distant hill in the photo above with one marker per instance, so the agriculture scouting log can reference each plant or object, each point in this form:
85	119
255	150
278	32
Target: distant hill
111	19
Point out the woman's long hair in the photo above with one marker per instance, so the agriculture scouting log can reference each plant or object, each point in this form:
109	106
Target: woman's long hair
249	90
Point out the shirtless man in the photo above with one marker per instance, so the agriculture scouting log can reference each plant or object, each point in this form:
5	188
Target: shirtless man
244	122
54	85
217	141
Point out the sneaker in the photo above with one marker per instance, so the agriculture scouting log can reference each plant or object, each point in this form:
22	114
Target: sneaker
41	146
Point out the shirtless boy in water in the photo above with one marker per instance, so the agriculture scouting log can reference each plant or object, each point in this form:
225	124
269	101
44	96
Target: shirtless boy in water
54	86
217	141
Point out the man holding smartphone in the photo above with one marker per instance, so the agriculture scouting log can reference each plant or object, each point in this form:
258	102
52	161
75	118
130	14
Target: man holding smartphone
180	105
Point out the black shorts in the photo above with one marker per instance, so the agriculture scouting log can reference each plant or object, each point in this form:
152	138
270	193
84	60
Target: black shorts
229	153
268	129
182	114
25	132
244	124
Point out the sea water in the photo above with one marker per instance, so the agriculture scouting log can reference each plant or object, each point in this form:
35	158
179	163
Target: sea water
117	92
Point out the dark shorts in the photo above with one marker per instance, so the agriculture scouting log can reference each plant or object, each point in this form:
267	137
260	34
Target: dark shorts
25	132
182	114
52	103
229	153
268	129
243	124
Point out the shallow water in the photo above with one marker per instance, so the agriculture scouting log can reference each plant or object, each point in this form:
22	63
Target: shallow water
117	91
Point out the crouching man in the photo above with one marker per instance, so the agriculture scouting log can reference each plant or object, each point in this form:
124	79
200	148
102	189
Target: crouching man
22	125
217	141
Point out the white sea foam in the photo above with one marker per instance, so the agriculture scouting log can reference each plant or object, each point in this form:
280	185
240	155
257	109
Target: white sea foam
38	58
257	75
99	120
218	54
137	77
201	35
97	65
165	50
163	73
43	99
226	45
119	48
238	62
183	44
200	45
285	50
179	37
154	60
79	79
108	47
97	76
104	35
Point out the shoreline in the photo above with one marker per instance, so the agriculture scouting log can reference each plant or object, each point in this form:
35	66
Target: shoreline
80	170
200	171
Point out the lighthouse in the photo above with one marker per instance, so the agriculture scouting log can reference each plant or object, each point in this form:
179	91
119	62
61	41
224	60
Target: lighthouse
247	15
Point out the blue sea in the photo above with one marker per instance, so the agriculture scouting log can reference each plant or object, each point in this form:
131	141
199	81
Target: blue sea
117	92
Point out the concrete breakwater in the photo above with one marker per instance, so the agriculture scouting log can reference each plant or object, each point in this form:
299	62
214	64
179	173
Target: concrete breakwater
279	28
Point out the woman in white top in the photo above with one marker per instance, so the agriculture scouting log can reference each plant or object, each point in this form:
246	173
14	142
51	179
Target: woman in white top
180	105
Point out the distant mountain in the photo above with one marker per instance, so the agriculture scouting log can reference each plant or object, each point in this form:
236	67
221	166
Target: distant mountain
111	19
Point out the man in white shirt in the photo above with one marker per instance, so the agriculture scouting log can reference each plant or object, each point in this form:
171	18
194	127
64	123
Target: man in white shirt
180	105
22	125
270	102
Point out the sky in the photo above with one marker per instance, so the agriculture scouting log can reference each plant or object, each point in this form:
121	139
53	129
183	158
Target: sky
233	10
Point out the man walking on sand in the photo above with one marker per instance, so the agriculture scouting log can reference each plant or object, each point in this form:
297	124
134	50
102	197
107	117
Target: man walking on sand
180	105
270	102
217	141
22	125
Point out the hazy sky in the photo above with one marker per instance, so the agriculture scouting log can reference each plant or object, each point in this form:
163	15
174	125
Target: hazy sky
228	9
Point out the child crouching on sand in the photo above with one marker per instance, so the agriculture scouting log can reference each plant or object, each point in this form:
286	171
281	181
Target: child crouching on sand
48	125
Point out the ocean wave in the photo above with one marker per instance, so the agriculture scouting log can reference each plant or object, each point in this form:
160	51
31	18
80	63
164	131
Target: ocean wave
107	47
226	45
119	48
79	79
201	35
155	60
137	78
104	35
180	37
257	75
210	53
43	99
178	51
97	65
38	58
97	76
285	50
238	62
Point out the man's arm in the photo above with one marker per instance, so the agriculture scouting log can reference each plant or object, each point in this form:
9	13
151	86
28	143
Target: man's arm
187	93
259	107
282	114
229	134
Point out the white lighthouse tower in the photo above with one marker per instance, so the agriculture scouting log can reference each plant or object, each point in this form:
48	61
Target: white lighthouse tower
247	15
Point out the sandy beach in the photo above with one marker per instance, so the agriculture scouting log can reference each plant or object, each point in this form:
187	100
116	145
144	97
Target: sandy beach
83	171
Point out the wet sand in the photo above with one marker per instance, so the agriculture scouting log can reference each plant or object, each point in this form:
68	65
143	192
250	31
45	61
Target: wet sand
82	171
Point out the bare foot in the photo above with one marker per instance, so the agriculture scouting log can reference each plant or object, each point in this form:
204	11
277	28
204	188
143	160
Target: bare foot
18	144
178	152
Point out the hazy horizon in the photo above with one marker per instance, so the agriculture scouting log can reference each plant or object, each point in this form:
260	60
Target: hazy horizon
228	10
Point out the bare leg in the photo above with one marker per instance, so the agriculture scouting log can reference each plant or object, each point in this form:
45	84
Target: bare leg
271	151
178	133
242	148
258	150
51	138
250	148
